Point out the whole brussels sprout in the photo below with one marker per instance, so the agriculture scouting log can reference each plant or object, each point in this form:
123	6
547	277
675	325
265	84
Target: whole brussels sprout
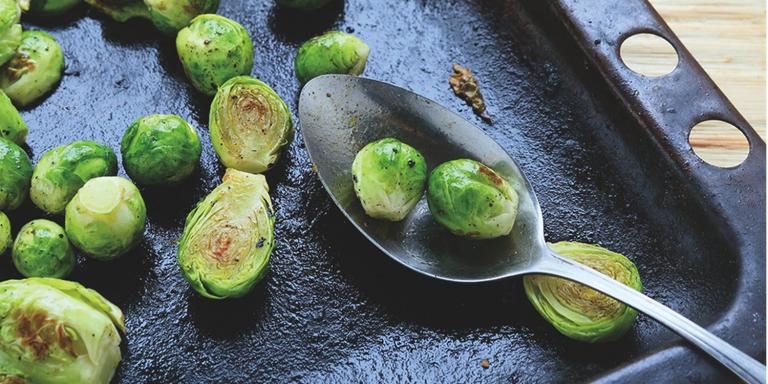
52	7
471	199
10	29
214	49
34	70
15	174
249	125
578	311
228	237
304	5
57	332
106	218
160	150
332	52
5	234
12	126
42	249
169	16
389	178
63	170
121	10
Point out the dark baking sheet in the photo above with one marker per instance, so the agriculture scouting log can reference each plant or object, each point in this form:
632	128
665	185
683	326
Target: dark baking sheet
333	308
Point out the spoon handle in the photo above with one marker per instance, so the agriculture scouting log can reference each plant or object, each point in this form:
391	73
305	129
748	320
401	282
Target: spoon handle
744	366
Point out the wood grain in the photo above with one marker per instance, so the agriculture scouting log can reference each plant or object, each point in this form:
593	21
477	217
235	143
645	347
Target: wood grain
728	38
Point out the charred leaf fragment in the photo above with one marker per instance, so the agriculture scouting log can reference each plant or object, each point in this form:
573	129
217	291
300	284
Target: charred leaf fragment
465	86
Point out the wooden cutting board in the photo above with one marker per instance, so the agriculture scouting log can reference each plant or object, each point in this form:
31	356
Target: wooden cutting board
728	38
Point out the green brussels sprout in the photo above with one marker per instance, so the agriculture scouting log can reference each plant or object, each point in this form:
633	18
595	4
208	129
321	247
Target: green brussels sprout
169	16
63	170
57	332
249	124
214	49
228	237
42	249
10	29
5	234
578	311
15	174
12	126
160	150
389	178
304	5
331	52
121	10
51	7
106	218
470	199
34	70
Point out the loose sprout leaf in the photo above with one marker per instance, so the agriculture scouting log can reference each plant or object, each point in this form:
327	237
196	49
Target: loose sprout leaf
465	86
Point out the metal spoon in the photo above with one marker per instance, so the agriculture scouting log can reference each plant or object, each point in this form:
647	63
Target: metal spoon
340	114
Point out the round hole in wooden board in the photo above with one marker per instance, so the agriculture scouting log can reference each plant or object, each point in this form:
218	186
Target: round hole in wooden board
648	54
719	143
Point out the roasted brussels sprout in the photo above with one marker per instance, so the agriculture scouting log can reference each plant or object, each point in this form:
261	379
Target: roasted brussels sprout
169	16
580	312
12	126
121	10
389	178
304	5
160	150
214	49
57	332
10	29
52	7
228	237
471	199
63	170
15	173
42	249
34	70
106	218
332	52
249	124
5	234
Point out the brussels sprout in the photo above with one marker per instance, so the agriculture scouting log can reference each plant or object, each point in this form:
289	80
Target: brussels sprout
249	125
5	234
106	217
63	170
304	5
332	52
580	312
169	16
214	49
389	178
15	174
228	237
57	332
160	149
52	7
121	10
42	249
12	126
10	29
34	70
471	199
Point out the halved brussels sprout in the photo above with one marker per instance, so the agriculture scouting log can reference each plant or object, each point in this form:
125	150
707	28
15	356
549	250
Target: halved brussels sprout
228	237
580	312
63	170
121	10
304	5
57	332
42	249
471	199
5	233
160	150
389	178
332	52
169	16
249	125
214	49
106	218
15	174
12	126
34	70
52	7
